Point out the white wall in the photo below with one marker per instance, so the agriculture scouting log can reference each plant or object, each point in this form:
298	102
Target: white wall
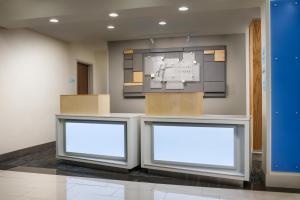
34	71
233	104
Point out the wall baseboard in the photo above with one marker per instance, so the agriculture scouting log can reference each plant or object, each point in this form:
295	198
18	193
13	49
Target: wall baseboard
283	180
26	151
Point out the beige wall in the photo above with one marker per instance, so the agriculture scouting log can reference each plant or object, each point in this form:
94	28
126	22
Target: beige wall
34	71
95	57
101	83
233	104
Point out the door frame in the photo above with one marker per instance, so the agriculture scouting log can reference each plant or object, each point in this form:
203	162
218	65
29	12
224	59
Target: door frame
90	75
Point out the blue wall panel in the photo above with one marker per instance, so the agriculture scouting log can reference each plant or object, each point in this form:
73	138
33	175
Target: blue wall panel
285	42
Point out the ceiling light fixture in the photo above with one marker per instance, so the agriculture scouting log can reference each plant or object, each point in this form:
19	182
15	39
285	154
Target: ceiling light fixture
53	20
188	37
111	27
151	40
162	23
113	14
183	8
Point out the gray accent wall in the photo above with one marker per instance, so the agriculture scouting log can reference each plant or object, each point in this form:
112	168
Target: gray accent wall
233	104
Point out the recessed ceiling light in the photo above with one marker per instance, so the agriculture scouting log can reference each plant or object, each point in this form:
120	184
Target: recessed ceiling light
162	23
53	20
110	27
113	14
183	8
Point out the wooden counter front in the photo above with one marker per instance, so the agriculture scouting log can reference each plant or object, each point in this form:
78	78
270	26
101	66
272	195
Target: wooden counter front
85	104
174	103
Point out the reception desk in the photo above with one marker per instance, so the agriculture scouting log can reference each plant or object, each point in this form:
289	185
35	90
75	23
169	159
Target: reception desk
108	140
214	146
207	145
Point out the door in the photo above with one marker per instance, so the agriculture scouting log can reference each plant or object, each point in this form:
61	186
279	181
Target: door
82	78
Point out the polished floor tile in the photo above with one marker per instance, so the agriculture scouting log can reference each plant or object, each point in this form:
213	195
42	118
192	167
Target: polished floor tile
33	186
45	162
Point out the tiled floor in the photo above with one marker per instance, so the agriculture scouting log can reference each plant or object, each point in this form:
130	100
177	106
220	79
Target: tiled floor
45	162
33	186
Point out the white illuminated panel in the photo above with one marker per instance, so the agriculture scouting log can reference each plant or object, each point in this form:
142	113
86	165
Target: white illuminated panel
98	139
194	145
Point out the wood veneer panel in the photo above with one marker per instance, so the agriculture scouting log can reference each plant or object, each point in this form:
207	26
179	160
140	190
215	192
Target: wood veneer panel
174	103
85	104
138	77
256	83
206	52
128	51
132	84
219	55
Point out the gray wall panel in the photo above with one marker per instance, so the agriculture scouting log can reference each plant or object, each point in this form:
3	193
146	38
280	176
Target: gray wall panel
128	56
163	50
206	47
173	55
127	64
214	95
128	75
214	86
133	89
233	104
209	57
156	54
137	62
214	71
141	51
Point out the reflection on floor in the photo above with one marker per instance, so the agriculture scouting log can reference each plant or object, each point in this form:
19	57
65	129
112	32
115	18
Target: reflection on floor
33	186
45	162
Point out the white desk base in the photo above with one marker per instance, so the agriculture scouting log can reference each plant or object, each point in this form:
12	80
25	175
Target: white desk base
132	140
242	151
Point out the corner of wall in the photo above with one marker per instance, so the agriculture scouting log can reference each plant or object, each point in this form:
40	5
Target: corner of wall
266	83
101	56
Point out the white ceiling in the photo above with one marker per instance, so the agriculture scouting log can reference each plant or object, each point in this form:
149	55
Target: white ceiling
86	20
